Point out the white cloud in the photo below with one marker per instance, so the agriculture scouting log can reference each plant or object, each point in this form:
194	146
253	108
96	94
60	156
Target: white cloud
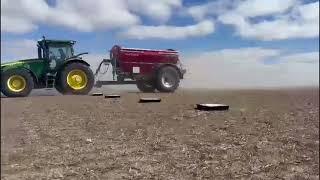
301	22
254	8
245	68
200	12
309	12
170	32
88	16
282	28
18	49
16	25
160	10
279	19
24	16
247	8
289	18
21	16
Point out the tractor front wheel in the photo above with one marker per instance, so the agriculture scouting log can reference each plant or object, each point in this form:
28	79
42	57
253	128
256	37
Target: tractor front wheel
16	83
75	78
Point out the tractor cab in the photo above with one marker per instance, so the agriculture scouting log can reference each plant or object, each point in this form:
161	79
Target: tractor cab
55	51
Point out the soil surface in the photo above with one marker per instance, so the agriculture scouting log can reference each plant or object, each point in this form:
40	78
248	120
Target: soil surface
266	134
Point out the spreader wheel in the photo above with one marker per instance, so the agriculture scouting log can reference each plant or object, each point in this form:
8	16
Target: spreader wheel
167	79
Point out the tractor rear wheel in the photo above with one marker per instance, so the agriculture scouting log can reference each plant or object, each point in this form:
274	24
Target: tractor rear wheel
75	78
146	86
16	83
167	79
59	88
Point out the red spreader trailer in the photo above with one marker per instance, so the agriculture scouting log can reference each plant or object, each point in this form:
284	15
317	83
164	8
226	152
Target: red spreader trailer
149	69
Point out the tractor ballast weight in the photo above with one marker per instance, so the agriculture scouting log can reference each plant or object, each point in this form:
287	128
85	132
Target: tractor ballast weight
58	67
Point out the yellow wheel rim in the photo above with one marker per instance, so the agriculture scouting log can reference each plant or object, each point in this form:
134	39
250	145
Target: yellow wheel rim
77	79
16	83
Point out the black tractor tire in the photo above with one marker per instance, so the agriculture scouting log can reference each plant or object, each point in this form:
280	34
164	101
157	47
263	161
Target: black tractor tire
62	85
167	79
59	88
25	74
146	86
58	84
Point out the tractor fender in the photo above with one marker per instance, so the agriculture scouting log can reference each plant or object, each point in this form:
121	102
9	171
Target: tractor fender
159	66
35	78
69	62
77	61
72	61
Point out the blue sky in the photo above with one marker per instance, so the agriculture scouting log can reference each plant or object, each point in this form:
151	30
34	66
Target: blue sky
223	37
194	27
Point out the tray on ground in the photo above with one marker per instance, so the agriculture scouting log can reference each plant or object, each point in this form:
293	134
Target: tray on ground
146	100
97	94
112	96
212	107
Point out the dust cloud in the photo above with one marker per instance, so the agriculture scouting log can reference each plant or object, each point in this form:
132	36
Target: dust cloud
245	68
253	68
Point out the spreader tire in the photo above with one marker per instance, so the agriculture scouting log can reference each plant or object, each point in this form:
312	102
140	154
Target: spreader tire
146	86
16	83
167	79
75	78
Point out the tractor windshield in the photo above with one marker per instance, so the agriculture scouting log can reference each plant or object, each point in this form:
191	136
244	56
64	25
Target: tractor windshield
59	52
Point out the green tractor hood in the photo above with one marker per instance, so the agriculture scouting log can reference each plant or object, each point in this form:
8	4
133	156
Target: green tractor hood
19	62
34	66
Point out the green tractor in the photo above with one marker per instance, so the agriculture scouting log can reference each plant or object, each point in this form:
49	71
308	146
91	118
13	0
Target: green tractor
56	67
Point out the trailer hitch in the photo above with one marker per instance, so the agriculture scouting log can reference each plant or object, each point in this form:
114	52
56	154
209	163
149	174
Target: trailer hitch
105	62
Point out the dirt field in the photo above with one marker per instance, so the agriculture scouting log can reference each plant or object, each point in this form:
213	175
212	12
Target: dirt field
266	134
